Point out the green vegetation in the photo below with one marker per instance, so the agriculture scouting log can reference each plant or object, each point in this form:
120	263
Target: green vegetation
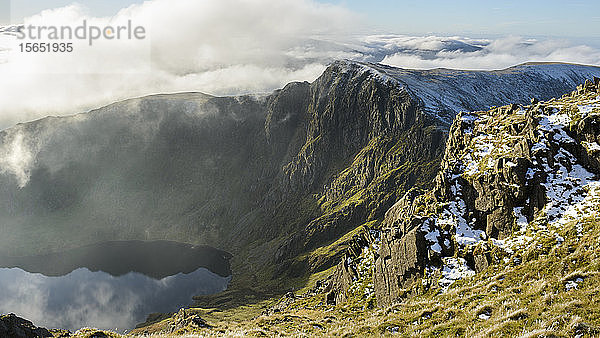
526	297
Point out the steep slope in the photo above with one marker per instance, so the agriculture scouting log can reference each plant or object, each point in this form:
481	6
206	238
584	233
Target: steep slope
181	167
270	179
514	213
505	244
386	122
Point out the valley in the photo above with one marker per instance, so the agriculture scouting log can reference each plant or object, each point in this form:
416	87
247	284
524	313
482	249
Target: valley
347	195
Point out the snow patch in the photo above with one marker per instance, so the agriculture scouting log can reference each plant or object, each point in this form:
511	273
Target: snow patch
484	316
521	219
433	238
452	270
573	284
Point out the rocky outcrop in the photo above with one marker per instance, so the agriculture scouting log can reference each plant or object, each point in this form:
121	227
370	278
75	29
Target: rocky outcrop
16	327
507	169
184	321
341	281
403	250
402	259
491	196
346	273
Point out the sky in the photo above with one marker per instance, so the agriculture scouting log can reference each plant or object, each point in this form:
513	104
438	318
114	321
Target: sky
23	8
481	18
232	47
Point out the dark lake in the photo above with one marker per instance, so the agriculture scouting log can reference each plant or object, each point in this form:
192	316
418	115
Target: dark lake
112	285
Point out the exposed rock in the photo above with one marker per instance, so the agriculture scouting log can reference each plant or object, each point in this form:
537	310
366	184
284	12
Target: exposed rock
184	320
341	281
345	272
16	327
500	169
480	257
402	259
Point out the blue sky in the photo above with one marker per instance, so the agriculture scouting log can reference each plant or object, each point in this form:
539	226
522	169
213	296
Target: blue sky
482	17
23	8
479	18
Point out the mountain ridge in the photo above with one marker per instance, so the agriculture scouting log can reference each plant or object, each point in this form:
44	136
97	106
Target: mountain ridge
455	92
286	182
306	104
373	67
305	182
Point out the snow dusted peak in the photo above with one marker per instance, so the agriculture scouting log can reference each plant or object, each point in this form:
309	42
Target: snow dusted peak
371	69
446	92
357	69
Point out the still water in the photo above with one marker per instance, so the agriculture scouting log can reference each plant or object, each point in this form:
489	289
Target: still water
89	297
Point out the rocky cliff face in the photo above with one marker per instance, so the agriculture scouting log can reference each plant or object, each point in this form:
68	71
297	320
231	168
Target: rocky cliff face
374	132
511	177
269	178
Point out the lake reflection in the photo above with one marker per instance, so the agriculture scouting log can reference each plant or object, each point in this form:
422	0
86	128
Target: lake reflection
84	298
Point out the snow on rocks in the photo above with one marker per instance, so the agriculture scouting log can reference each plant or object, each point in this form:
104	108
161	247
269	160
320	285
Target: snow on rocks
433	237
364	266
511	179
452	216
573	284
453	269
446	92
571	190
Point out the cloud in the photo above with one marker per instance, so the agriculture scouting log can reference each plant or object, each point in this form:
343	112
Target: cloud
215	46
227	47
16	157
490	54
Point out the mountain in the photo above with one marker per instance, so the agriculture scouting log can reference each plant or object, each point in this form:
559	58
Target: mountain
357	187
504	244
269	178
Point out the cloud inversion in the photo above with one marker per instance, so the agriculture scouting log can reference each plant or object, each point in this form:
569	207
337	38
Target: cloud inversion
226	47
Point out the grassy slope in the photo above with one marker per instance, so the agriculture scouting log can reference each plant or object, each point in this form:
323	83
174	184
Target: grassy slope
528	299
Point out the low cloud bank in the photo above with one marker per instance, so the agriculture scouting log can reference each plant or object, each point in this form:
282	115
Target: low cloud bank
227	47
463	53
